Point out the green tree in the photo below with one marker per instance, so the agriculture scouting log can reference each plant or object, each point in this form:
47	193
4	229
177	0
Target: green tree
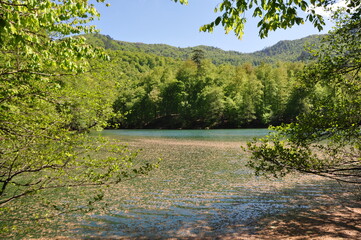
197	58
210	104
326	140
43	104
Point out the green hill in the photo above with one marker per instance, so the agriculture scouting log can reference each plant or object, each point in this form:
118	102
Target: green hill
291	51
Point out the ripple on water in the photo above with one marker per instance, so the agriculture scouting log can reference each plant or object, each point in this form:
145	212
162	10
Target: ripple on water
198	192
169	214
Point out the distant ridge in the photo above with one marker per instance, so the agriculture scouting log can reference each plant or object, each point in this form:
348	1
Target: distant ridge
287	50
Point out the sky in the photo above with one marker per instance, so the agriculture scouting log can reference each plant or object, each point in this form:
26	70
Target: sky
166	22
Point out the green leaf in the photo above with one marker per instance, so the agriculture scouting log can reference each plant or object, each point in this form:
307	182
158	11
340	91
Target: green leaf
217	21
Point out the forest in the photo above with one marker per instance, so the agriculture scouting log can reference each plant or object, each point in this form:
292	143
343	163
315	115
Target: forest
162	92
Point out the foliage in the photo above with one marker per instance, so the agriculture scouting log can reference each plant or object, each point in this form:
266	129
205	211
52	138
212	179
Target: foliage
273	14
45	108
162	92
165	93
326	140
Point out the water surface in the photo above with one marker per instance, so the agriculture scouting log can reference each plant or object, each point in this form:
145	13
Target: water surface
202	188
211	134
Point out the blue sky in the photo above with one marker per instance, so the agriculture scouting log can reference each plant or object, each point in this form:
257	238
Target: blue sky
163	21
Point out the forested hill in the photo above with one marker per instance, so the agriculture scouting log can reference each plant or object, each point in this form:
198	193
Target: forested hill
160	86
291	51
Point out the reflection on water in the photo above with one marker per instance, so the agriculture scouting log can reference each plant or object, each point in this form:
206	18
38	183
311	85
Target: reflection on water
198	191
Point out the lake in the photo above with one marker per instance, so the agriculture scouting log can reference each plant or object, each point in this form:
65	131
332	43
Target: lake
201	189
211	134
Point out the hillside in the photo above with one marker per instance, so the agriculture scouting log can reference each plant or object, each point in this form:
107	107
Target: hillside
284	50
295	50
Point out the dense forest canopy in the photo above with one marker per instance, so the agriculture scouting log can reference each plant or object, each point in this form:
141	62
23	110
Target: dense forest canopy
202	87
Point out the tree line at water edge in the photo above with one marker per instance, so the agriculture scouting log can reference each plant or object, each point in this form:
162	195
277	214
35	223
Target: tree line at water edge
158	92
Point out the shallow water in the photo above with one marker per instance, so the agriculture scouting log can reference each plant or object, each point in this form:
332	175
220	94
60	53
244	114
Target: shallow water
165	214
201	189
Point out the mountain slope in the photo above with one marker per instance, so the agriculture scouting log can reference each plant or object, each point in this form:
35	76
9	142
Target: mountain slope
290	50
284	50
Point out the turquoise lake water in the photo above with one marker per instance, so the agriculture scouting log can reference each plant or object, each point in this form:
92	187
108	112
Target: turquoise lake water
211	134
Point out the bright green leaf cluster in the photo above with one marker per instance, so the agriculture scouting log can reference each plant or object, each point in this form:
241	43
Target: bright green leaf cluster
273	14
326	140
